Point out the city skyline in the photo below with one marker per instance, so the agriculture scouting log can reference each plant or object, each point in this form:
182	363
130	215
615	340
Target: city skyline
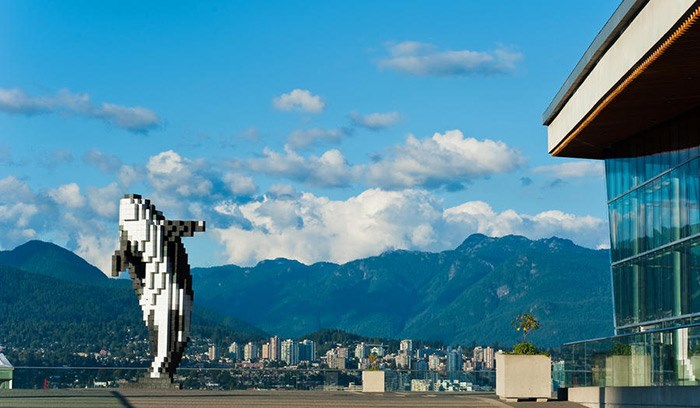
327	132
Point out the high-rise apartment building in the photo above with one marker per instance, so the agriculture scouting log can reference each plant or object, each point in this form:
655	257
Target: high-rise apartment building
290	352
213	353
454	360
489	358
406	345
433	362
251	351
275	348
307	350
361	350
265	351
478	355
235	351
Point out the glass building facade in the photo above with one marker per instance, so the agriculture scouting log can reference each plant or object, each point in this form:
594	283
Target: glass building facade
653	189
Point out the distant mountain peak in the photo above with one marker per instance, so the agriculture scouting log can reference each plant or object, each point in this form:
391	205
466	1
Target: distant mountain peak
46	258
556	242
472	241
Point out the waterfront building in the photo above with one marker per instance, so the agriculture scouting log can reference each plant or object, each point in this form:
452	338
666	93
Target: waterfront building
420	385
633	102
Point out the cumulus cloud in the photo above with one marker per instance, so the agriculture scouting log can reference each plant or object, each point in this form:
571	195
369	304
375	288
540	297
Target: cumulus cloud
479	216
104	201
240	185
328	170
573	169
68	195
132	118
444	160
447	160
311	228
168	171
299	100
418	58
374	121
18	210
300	139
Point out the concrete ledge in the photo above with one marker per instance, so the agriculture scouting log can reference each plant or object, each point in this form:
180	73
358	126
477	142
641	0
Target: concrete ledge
636	397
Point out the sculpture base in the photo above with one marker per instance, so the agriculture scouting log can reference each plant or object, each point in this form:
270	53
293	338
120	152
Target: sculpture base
164	383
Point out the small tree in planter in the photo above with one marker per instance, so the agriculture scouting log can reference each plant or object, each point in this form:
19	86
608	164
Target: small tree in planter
525	373
525	323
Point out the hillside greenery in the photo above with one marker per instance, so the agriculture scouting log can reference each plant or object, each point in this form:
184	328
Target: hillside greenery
52	319
469	294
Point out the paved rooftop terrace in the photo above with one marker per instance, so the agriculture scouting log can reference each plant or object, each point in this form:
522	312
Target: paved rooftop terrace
287	399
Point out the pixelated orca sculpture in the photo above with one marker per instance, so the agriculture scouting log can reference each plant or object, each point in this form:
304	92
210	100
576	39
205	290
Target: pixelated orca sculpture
150	247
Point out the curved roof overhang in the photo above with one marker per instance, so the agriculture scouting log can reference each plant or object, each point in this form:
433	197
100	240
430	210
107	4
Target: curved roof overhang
647	74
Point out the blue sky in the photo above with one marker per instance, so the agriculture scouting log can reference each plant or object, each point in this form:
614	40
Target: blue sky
318	131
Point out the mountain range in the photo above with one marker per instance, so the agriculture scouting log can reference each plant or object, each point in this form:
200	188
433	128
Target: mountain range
469	294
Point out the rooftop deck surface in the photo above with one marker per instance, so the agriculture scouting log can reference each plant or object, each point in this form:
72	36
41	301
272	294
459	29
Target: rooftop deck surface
288	399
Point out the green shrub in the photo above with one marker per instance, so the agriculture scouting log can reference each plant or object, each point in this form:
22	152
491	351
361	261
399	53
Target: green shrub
525	348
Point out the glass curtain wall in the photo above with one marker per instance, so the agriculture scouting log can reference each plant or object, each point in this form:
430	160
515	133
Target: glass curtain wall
654	212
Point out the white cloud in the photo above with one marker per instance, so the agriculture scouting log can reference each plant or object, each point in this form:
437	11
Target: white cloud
329	170
68	195
443	160
239	184
299	100
132	118
127	175
573	169
11	186
418	58
478	216
446	160
169	172
104	201
97	249
300	139
311	228
375	121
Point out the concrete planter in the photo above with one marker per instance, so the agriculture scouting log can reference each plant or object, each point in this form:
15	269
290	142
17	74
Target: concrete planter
523	377
373	381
